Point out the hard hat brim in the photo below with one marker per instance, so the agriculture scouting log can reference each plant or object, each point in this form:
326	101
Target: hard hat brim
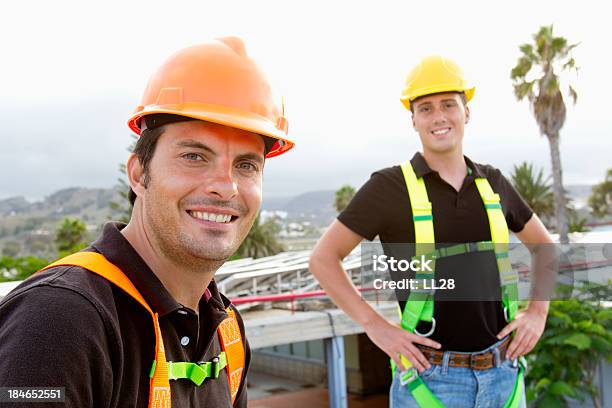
221	115
406	99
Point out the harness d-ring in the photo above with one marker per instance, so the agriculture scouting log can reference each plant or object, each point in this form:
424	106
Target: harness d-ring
429	333
506	314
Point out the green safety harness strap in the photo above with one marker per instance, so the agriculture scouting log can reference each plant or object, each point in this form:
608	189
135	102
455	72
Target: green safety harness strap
420	303
500	236
196	372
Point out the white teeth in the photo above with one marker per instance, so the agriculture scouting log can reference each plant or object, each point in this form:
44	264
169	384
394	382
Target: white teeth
220	218
441	131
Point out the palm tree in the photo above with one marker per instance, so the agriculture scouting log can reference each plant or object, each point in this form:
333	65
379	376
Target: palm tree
344	195
536	77
71	236
534	188
261	240
600	200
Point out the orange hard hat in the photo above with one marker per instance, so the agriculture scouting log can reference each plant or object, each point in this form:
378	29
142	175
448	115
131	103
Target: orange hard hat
216	82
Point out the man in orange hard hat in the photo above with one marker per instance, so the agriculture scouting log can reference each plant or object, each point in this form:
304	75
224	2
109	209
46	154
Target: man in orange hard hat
457	214
136	319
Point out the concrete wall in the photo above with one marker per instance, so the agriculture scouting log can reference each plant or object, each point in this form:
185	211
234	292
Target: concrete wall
367	367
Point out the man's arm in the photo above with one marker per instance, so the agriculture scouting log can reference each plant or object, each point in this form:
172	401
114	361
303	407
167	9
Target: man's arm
326	265
55	337
529	323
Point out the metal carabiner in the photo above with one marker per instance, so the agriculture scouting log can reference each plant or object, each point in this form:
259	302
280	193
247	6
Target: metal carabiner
430	332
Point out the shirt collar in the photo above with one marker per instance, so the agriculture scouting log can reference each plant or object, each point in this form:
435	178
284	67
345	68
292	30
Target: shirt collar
117	250
421	168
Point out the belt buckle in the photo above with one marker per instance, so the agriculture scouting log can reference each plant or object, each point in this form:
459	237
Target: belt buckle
473	365
473	359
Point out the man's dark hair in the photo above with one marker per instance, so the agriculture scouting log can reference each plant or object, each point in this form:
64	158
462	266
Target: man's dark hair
144	150
461	94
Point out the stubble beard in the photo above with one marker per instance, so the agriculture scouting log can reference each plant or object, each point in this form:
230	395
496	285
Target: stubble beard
184	249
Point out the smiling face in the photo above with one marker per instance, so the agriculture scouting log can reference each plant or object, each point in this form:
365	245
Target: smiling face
440	120
203	190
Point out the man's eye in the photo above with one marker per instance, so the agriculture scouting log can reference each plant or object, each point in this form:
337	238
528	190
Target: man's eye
192	156
247	166
424	109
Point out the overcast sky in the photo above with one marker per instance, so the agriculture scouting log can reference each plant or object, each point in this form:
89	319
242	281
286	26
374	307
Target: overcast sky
72	72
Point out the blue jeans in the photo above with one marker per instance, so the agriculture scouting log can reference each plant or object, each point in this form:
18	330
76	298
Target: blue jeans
458	387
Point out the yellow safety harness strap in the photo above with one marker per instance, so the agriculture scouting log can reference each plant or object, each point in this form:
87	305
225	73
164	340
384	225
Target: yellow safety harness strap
420	303
500	236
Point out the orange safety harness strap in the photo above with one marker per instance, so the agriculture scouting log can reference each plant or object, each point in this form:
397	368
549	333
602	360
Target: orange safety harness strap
159	385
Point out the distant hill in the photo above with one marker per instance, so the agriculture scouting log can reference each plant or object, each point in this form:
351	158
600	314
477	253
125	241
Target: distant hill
31	226
14	204
315	207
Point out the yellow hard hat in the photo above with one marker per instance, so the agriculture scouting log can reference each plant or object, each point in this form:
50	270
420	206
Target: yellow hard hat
435	74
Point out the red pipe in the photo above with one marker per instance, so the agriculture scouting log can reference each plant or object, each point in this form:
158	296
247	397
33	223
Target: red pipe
277	298
284	296
292	296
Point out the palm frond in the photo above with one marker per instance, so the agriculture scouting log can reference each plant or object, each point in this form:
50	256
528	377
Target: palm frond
573	94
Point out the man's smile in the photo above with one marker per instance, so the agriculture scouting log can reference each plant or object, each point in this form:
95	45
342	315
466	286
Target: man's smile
210	216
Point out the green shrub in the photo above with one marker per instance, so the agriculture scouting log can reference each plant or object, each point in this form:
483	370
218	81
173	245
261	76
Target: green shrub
565	361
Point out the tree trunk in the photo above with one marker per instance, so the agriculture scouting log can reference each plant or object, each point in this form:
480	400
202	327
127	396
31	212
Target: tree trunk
555	158
596	402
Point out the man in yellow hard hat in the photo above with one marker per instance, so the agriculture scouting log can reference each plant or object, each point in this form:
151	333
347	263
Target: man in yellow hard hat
457	213
136	319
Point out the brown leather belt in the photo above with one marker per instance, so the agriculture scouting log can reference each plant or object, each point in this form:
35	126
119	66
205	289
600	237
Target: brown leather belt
482	361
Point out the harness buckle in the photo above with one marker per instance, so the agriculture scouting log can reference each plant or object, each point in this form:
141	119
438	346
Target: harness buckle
408	376
214	368
472	246
171	375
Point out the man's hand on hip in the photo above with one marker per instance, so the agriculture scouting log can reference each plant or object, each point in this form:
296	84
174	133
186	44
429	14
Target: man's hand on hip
394	340
529	325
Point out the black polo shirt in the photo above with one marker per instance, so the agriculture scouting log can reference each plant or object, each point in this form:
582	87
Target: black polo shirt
382	207
68	327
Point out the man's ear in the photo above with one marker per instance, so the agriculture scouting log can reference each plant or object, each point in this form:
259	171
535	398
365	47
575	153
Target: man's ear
467	114
136	176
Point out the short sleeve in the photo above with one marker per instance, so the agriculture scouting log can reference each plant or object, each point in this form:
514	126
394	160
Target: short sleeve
516	210
55	337
367	213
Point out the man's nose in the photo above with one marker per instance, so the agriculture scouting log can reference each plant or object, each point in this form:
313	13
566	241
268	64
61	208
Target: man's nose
439	117
221	182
